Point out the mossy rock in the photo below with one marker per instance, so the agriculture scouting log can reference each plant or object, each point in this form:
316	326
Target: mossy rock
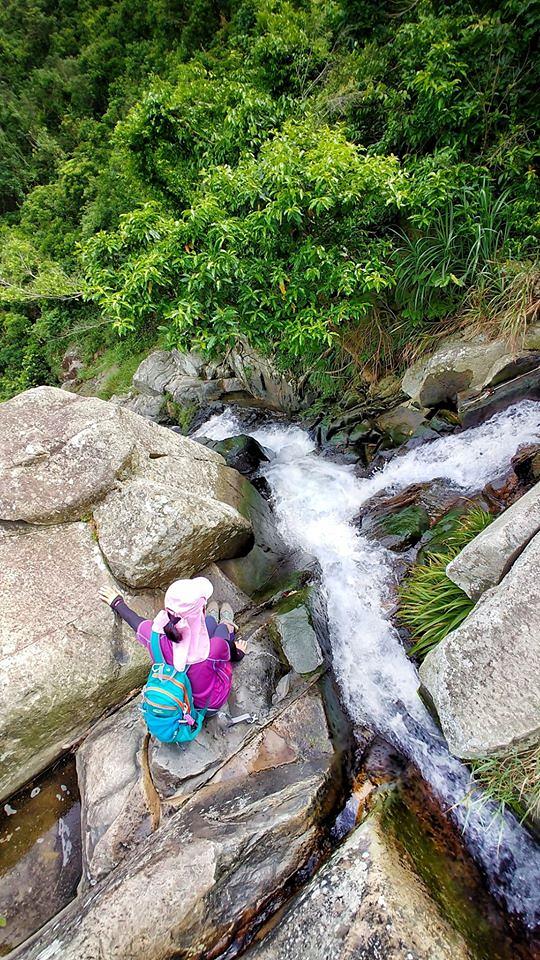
399	425
436	539
243	453
402	529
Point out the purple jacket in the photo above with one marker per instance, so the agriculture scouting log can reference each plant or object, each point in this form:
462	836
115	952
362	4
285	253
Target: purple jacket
210	680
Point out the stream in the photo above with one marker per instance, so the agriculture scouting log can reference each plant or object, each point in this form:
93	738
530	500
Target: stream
316	500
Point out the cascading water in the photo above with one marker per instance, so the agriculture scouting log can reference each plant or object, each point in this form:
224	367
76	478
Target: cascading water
315	501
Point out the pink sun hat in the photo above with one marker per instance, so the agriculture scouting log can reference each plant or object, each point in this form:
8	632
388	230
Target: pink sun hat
187	599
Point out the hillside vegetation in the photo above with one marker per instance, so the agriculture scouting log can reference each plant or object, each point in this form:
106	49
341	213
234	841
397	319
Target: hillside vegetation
339	180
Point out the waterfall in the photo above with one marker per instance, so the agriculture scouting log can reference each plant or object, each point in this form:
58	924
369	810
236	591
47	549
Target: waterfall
315	502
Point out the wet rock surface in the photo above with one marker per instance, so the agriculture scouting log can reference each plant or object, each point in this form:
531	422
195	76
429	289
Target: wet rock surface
40	853
400	423
366	903
478	408
270	562
526	463
243	453
399	530
298	640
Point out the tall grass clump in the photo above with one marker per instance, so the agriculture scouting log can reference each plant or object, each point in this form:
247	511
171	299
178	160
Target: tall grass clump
504	301
434	269
512	780
431	605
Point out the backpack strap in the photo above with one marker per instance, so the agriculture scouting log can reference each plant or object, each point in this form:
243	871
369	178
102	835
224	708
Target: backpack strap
155	647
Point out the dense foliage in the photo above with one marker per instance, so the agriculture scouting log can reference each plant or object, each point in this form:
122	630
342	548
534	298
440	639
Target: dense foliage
431	605
333	179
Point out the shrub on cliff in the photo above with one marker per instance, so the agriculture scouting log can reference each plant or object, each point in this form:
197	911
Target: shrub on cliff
312	175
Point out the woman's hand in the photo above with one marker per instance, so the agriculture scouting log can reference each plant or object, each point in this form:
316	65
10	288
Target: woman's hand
241	645
108	594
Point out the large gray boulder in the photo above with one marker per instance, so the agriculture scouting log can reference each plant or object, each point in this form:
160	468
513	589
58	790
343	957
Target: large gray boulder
152	532
163	505
366	902
457	367
158	372
483	678
60	454
486	559
188	380
216	862
181	378
64	658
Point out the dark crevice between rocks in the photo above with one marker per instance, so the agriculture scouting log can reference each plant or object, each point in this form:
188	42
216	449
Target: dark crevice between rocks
153	800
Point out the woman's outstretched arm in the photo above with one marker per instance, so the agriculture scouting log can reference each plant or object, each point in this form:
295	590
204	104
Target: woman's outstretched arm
118	604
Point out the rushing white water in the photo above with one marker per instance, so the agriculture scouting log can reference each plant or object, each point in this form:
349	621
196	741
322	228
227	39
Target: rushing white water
315	501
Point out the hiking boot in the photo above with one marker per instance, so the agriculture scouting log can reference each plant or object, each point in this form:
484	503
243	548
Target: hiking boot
212	610
226	615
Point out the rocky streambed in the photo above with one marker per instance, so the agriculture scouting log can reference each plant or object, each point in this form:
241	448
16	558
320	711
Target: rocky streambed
335	823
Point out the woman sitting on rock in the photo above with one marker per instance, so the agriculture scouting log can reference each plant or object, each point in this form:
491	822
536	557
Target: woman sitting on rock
194	636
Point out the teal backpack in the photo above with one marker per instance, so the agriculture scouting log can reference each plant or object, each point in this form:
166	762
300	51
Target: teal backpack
167	701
